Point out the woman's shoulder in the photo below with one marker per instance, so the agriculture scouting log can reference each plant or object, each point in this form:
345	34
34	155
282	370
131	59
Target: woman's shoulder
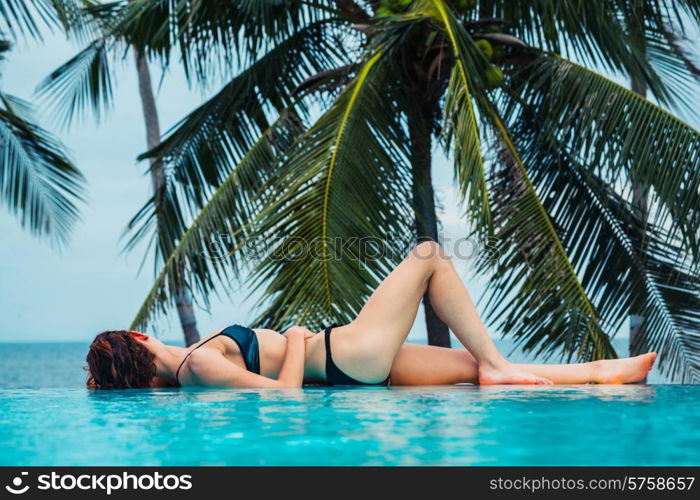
204	353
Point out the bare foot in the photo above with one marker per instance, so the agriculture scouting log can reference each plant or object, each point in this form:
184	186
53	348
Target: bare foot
509	374
625	370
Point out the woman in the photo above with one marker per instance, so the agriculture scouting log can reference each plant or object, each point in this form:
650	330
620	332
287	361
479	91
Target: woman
368	351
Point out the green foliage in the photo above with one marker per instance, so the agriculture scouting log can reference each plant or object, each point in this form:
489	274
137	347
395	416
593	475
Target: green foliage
26	18
544	152
327	181
39	183
84	83
388	7
461	131
464	5
239	197
534	276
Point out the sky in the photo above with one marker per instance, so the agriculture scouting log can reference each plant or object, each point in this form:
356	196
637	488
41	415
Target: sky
91	285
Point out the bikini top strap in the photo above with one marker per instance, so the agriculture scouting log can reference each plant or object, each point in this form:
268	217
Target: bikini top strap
177	372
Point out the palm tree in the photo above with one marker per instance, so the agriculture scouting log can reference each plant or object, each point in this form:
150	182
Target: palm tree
324	138
38	181
88	77
183	298
635	14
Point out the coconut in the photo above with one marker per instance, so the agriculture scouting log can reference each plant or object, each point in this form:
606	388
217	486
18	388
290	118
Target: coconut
383	11
485	47
493	77
395	6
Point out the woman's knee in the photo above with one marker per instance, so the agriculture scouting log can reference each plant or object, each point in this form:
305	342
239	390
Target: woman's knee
428	250
432	254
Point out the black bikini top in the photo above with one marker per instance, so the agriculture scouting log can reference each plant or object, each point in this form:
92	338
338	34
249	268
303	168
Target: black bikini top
247	342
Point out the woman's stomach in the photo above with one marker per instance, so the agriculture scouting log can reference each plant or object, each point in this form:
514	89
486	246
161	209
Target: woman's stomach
273	349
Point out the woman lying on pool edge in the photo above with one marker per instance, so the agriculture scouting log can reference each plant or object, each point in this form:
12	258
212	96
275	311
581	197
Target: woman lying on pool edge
371	350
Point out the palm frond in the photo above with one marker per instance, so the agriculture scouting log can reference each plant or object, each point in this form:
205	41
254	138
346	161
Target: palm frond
535	291
343	192
460	128
595	33
26	18
199	152
209	250
201	146
211	37
631	262
38	182
676	68
656	31
690	8
83	83
623	261
620	135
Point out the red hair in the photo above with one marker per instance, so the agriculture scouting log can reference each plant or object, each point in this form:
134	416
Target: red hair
116	360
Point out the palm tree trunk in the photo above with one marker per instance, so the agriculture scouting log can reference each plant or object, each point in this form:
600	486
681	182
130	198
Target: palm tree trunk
183	299
640	206
640	203
424	209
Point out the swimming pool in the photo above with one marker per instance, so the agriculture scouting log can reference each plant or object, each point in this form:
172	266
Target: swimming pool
462	425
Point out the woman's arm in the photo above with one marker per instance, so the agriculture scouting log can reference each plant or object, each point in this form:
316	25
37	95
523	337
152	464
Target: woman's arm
292	371
211	368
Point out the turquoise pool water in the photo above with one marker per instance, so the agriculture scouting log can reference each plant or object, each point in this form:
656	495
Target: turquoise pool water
465	425
48	418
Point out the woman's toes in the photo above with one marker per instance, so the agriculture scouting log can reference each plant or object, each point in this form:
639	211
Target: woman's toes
652	359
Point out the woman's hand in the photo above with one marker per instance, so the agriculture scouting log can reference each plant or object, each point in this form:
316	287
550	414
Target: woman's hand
299	331
292	371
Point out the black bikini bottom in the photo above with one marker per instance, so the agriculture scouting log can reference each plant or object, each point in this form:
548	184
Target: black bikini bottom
334	375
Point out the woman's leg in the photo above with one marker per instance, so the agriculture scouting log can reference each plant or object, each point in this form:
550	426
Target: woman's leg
430	365
366	348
